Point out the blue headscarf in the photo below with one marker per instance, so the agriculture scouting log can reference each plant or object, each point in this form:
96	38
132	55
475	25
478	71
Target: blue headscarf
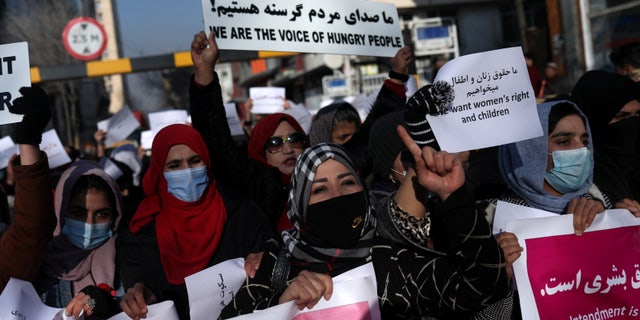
523	165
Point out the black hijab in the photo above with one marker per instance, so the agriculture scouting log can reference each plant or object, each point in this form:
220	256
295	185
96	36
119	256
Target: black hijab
600	95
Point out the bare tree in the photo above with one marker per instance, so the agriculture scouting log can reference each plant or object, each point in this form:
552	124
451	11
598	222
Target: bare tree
40	23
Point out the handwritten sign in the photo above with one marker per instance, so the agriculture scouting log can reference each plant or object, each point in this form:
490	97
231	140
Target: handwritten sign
356	27
54	148
14	74
593	276
211	289
233	120
354	297
119	126
19	300
494	102
267	99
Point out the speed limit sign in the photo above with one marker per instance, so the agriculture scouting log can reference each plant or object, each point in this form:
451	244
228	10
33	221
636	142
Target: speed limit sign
84	38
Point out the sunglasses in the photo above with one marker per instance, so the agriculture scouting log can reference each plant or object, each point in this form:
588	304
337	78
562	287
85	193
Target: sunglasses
275	144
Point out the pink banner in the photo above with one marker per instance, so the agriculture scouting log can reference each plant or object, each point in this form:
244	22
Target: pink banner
594	276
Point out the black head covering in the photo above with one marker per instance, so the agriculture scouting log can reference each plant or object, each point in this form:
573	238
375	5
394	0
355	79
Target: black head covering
600	95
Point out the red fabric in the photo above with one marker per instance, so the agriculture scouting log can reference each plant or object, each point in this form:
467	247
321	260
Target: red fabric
263	130
398	89
188	233
536	78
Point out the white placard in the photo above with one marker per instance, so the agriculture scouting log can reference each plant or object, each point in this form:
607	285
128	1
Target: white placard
161	119
211	289
54	148
14	74
146	139
494	102
232	119
267	100
506	211
119	126
19	300
356	27
7	149
299	112
354	297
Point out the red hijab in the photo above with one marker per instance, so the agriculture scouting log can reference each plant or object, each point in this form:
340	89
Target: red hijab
188	233
263	130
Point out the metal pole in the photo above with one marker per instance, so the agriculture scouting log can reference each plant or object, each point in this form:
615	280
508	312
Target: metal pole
587	45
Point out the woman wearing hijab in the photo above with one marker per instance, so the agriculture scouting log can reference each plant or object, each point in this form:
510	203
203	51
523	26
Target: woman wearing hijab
79	272
335	123
327	200
186	223
275	142
270	147
611	103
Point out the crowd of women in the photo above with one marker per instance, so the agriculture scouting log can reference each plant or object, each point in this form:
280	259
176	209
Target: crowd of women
117	235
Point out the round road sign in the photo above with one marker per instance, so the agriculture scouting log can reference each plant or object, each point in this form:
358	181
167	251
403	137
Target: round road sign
84	38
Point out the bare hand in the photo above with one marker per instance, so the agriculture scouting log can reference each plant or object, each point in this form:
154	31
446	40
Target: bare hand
252	263
511	250
307	289
632	205
400	62
584	211
135	300
99	136
440	172
204	54
79	304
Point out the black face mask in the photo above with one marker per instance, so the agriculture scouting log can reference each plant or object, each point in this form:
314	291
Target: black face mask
337	222
623	137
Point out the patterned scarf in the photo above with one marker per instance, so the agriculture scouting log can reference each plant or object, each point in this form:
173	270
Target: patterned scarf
314	258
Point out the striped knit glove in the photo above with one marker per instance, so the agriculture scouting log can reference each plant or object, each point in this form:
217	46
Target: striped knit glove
433	100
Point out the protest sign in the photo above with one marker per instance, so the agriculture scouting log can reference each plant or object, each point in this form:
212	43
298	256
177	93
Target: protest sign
146	139
14	74
19	300
233	120
211	289
7	149
54	148
356	27
593	276
299	112
354	297
119	126
161	119
267	99
494	102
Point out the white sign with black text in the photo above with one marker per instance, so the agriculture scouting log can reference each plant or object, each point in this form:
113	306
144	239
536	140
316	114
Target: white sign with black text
14	74
356	27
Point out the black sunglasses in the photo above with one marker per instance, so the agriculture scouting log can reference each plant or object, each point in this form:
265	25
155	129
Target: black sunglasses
275	144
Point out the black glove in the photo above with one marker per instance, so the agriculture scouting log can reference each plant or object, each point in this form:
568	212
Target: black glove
104	304
34	105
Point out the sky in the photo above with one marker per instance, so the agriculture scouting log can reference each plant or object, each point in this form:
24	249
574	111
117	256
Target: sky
154	27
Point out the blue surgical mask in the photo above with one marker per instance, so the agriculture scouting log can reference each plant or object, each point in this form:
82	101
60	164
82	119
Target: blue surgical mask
188	184
571	169
86	235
